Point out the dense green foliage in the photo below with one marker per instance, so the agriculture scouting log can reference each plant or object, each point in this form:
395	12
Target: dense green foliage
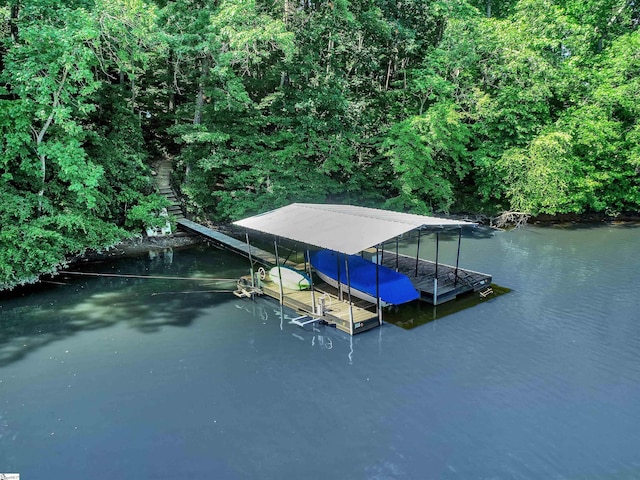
423	106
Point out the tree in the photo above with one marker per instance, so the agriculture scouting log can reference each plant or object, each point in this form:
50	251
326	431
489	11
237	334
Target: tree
542	178
53	191
49	102
528	67
428	153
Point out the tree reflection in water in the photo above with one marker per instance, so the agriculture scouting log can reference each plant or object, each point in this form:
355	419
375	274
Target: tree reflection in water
37	316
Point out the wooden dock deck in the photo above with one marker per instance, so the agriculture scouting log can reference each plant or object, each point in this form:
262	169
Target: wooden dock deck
450	283
336	311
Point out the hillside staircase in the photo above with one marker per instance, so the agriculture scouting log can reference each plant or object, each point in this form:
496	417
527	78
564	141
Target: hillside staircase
163	185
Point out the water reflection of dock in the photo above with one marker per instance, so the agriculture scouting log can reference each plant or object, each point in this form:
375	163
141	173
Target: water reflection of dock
315	336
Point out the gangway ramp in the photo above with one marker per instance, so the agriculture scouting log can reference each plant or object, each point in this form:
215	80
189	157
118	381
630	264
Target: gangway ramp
225	241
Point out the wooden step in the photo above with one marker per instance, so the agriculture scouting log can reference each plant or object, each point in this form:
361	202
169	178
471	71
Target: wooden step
163	185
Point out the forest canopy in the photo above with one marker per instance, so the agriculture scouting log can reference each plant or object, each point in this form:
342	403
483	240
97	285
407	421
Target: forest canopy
421	105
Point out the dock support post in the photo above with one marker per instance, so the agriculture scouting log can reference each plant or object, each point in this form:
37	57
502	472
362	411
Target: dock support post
455	282
346	268
275	244
435	291
437	251
307	259
340	296
417	254
435	278
378	309
253	284
397	258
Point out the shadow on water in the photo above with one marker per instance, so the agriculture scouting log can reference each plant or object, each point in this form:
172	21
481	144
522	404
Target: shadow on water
35	317
419	313
42	316
471	233
577	226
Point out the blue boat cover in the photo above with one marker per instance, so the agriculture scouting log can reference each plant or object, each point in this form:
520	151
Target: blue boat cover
395	288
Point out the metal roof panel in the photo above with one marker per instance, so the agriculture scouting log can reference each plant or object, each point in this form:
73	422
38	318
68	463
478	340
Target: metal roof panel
347	229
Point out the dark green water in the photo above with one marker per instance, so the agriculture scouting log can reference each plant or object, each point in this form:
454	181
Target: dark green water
107	378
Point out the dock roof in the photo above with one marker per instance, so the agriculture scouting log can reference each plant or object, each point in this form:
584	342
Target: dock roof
343	228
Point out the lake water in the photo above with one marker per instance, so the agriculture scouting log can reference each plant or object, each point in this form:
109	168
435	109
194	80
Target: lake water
111	377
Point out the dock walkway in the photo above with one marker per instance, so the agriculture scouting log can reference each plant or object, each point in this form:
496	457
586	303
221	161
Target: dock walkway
225	241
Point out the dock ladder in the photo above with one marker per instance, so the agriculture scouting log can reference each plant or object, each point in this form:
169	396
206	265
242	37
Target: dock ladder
301	322
486	292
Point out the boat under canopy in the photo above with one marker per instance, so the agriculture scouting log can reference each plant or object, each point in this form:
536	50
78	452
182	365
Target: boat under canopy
367	279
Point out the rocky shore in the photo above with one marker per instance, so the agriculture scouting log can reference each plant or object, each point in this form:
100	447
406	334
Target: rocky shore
138	245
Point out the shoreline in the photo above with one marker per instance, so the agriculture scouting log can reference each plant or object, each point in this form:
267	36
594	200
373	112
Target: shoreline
131	247
141	245
584	218
136	246
545	220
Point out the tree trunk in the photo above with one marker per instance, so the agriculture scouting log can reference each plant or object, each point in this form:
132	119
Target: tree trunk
204	73
39	137
133	93
289	10
171	87
386	82
197	116
329	53
13	21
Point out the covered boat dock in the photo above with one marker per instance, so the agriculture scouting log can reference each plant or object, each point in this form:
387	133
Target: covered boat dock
354	230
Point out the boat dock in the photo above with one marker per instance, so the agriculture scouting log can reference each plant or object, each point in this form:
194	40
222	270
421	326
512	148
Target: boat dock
348	230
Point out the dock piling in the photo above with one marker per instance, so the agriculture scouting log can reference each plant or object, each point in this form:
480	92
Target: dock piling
275	244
